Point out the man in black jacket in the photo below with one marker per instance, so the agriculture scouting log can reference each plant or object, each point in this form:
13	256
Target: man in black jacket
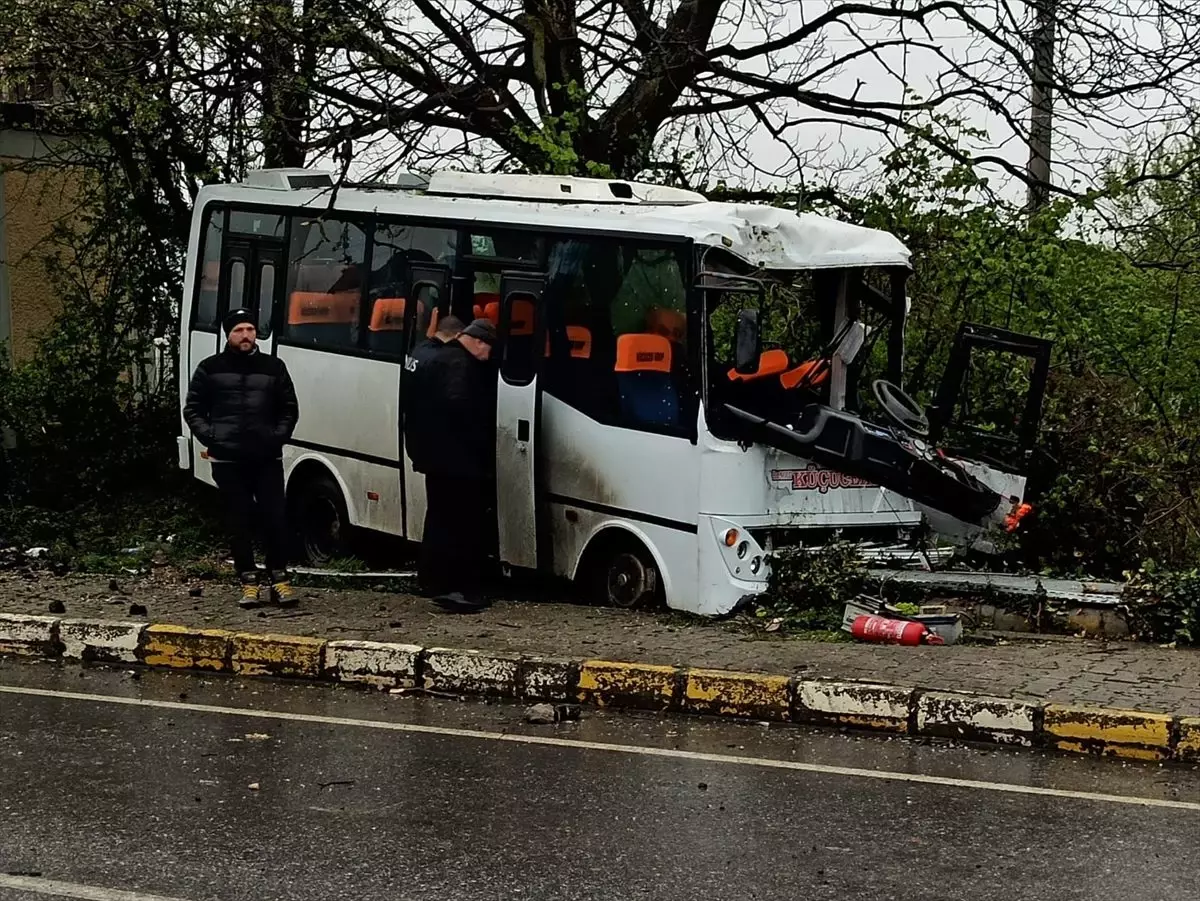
241	405
419	365
453	411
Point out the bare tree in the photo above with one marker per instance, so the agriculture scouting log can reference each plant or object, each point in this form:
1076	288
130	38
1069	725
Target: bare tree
746	86
755	93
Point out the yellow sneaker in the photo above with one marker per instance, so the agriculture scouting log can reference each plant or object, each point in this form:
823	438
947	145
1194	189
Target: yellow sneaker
250	596
283	594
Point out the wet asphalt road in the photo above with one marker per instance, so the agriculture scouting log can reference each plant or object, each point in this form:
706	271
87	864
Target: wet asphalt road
363	795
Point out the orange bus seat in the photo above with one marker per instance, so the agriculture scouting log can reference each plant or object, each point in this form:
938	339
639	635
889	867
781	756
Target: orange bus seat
671	324
770	362
643	353
810	372
387	314
484	301
522	317
322	308
643	370
579	339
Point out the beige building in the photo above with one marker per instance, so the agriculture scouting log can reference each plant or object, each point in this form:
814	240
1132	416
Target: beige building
35	196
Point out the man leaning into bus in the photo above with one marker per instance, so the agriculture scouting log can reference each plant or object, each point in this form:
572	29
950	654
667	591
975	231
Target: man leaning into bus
454	415
241	405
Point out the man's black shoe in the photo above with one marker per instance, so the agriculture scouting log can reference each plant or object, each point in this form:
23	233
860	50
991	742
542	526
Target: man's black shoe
457	602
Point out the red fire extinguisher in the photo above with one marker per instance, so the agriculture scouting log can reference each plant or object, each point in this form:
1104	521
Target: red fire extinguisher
892	631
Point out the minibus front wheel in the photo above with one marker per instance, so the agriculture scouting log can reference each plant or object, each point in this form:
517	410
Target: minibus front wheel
624	574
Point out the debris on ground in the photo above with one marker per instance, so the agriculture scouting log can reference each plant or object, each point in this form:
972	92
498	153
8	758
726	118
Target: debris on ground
57	607
253	786
549	714
869	619
36	553
138	610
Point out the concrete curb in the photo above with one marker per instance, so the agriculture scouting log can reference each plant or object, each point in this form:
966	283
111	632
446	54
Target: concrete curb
894	709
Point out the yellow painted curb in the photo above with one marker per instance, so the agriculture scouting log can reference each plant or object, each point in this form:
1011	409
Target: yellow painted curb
738	694
181	647
1189	739
627	684
1118	733
277	655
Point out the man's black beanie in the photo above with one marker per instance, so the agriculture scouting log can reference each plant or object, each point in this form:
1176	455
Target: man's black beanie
236	318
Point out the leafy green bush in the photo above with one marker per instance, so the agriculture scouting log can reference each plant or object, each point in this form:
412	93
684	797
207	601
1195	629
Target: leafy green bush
809	588
1164	605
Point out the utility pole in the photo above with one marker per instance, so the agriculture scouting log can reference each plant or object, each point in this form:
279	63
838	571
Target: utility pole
1041	115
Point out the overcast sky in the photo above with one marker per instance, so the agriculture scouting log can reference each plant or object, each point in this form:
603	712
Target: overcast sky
1084	139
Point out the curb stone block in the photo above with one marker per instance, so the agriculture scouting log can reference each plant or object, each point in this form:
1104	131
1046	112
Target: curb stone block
738	694
976	717
102	642
628	684
863	704
28	635
1117	733
181	647
548	678
470	672
277	655
376	663
1189	739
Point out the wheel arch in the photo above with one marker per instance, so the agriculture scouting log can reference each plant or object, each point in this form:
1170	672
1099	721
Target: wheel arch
309	467
610	532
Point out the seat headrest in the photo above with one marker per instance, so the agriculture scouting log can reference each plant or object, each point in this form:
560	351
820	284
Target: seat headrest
643	353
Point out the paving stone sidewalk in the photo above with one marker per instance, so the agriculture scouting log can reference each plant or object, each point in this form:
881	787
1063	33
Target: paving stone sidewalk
1070	671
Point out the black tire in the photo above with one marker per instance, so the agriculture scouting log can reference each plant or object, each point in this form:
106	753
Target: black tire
320	523
623	574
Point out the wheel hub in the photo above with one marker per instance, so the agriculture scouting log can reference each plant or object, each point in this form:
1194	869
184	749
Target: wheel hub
629	581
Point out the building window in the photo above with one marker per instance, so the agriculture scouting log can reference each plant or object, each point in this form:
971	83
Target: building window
324	283
618	333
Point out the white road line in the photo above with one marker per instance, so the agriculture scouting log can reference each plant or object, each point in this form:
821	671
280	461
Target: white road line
550	741
38	886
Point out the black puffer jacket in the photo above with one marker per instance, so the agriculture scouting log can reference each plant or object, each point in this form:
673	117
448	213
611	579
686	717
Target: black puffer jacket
418	382
452	412
242	406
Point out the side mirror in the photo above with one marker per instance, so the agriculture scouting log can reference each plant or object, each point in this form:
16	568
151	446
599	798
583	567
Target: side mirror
747	343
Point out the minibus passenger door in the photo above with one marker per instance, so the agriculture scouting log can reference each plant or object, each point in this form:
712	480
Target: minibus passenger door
517	408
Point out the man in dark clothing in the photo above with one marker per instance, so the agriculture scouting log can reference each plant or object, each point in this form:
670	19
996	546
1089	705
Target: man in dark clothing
454	412
241	405
416	385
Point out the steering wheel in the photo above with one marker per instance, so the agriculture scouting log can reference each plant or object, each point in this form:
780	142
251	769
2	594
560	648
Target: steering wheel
900	408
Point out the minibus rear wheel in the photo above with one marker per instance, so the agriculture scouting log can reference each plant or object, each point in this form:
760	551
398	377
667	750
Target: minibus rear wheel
320	521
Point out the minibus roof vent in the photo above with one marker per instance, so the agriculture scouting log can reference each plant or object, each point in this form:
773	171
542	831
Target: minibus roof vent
289	179
558	189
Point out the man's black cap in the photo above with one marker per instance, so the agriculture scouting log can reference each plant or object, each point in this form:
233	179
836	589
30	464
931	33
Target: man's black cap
482	330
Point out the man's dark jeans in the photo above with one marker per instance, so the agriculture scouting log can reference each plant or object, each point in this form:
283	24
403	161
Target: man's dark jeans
253	496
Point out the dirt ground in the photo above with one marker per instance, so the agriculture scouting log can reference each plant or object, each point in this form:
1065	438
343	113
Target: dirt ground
1122	674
